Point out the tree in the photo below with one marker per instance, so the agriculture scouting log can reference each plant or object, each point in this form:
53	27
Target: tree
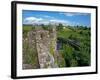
59	27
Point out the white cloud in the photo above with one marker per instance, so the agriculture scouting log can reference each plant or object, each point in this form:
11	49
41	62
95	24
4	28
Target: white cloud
46	16
35	20
70	14
59	21
31	20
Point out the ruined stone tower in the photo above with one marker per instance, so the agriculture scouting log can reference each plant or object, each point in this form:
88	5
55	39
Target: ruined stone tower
45	43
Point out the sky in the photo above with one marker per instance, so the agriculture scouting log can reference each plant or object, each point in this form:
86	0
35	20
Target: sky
46	17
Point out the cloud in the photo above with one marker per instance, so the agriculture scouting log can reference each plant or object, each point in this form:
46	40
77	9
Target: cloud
70	14
46	16
31	20
35	20
60	21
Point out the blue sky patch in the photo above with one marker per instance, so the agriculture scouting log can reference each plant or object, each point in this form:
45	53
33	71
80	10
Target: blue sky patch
46	17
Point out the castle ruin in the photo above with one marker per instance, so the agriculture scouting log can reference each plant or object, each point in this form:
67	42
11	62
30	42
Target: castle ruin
44	41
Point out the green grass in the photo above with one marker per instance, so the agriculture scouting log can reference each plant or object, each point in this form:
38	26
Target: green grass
27	28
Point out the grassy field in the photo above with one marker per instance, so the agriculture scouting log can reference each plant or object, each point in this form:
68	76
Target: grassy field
72	56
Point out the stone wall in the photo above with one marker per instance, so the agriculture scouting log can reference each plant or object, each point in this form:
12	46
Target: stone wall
30	58
45	43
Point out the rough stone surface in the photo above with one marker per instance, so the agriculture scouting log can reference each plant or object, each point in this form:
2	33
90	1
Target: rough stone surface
29	51
43	44
44	41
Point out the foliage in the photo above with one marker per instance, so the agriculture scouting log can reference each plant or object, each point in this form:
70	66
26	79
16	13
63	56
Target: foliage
80	35
59	27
